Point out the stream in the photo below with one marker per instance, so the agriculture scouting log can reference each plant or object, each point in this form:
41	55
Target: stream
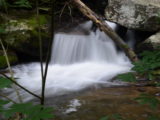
80	83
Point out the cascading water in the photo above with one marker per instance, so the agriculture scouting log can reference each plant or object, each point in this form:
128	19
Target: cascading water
78	61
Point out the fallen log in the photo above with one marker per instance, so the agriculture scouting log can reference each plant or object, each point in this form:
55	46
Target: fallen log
103	26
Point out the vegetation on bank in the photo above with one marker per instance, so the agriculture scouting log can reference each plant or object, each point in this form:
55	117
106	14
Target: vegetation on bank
147	69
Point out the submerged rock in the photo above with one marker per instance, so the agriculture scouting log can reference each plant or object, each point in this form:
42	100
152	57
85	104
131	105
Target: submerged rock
135	14
98	104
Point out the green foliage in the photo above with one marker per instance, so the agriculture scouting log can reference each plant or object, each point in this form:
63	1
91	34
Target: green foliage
22	4
4	82
117	117
105	118
28	110
17	4
2	29
127	77
150	61
152	101
2	103
34	23
147	66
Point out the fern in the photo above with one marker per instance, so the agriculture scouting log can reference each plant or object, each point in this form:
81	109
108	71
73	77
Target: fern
127	77
147	67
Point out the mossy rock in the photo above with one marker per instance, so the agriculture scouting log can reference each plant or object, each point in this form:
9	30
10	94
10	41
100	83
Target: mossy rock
21	34
12	59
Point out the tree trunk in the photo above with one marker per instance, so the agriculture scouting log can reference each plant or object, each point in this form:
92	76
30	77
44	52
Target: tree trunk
103	26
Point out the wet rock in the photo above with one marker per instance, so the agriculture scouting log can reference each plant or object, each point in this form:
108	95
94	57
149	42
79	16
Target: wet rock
152	43
134	14
99	103
21	31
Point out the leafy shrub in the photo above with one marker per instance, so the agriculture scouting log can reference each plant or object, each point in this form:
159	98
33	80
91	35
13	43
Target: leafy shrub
28	111
146	67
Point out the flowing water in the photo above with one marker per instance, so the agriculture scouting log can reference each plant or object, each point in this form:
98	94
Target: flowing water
78	61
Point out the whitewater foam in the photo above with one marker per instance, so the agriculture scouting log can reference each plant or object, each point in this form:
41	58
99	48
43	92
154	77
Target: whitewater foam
78	61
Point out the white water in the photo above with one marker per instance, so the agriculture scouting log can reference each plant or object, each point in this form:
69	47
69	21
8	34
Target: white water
78	61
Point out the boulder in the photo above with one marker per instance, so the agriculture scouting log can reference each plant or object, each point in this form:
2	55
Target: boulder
21	33
135	14
152	43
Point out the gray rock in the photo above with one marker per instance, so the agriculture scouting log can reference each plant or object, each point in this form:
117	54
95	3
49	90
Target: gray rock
152	42
135	14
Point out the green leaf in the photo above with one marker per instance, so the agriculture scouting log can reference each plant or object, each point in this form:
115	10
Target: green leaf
149	63
152	101
32	112
117	117
2	30
127	77
3	102
22	3
105	118
4	82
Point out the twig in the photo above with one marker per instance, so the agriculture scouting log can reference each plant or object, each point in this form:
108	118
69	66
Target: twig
21	86
40	39
10	70
8	98
48	54
63	9
70	12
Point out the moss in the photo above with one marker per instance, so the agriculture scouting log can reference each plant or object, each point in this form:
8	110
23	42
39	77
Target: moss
22	34
12	59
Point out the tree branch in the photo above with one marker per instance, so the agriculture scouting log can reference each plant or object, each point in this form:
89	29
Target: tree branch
105	28
21	86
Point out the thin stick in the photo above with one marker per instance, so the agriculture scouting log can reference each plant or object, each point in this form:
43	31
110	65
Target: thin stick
63	9
8	98
40	39
48	54
21	86
10	70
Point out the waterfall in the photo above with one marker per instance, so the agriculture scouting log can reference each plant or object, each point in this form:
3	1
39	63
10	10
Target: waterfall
79	60
76	48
